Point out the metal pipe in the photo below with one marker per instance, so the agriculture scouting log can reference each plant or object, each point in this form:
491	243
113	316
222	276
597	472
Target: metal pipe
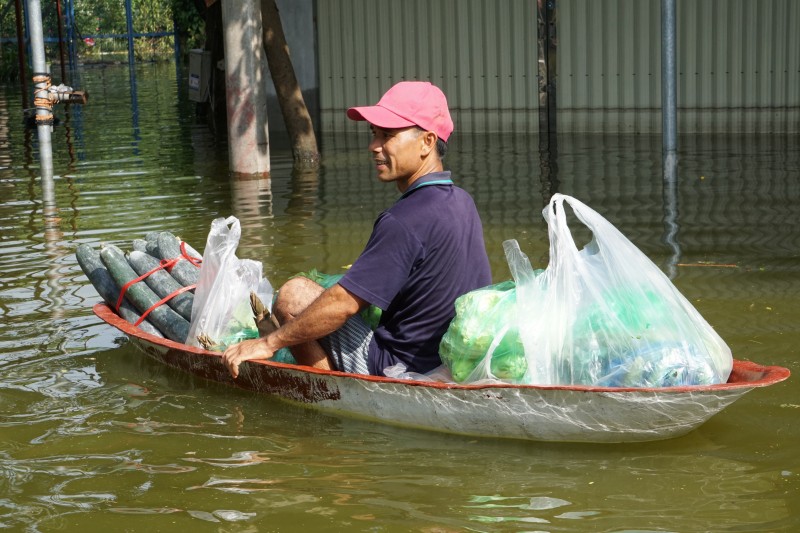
548	140
41	78
547	47
669	91
71	48
669	126
129	23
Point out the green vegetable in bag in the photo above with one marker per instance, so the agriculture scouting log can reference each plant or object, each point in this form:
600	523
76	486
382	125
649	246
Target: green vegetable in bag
637	350
371	315
482	316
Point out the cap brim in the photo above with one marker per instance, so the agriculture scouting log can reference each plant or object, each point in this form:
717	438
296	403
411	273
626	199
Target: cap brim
378	116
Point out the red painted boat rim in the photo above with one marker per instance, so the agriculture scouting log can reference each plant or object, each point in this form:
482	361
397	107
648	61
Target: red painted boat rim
745	374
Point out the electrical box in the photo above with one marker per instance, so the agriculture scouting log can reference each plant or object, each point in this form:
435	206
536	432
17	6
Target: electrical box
199	74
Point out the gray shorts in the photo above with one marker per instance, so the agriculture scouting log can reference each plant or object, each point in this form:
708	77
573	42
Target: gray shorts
348	346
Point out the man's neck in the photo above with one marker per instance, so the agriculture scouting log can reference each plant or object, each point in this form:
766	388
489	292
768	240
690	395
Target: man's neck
424	170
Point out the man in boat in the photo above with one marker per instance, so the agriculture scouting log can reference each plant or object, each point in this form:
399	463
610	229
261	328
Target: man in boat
425	251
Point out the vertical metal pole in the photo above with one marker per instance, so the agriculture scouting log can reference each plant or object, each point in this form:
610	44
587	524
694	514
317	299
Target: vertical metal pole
548	140
669	91
71	48
547	66
129	23
39	70
669	126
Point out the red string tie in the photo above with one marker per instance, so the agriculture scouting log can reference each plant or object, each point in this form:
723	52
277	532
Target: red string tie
166	264
164	300
193	260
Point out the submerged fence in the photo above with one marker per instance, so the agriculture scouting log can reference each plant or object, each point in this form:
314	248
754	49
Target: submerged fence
94	30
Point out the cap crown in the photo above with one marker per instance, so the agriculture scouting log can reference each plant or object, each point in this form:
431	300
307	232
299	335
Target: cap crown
409	103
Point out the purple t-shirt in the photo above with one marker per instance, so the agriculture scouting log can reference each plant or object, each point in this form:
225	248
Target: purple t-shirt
424	252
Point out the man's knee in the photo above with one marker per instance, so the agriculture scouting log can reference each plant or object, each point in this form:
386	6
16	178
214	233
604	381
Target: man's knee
293	298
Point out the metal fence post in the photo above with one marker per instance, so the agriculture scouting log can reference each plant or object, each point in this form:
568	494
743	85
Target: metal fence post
129	24
669	91
41	77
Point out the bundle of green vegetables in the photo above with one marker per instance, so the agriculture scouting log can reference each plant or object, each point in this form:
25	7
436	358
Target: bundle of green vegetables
111	269
482	340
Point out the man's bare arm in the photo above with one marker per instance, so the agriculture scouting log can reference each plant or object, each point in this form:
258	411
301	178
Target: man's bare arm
325	315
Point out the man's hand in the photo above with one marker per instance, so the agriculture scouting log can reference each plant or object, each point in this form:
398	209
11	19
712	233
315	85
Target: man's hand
327	313
245	351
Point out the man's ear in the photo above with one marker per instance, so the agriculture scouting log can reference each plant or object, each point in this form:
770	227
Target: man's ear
428	142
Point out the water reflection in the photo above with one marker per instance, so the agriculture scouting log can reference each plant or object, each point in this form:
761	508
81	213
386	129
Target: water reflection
134	92
548	164
5	131
54	250
251	203
671	213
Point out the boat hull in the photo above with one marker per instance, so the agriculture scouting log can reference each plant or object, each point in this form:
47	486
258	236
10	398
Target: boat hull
542	413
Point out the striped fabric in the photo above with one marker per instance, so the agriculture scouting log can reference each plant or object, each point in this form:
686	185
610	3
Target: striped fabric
349	346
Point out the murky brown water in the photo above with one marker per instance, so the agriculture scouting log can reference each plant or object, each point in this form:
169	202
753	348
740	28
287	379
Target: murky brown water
94	437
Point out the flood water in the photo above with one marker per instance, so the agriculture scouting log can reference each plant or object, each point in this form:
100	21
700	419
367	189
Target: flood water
96	437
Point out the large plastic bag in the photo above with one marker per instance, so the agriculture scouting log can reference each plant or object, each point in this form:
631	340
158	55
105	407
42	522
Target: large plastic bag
222	314
606	315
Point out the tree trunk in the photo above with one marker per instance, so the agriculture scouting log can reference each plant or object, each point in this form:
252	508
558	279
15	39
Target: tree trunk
293	107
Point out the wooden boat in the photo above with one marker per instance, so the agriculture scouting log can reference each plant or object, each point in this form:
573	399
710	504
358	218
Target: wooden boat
542	413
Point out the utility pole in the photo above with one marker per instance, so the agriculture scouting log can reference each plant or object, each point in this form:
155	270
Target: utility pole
669	125
245	89
669	88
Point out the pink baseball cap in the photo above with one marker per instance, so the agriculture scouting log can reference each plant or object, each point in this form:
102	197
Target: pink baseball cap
409	103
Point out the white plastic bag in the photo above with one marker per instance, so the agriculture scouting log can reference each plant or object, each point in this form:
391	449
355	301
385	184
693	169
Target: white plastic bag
221	313
607	316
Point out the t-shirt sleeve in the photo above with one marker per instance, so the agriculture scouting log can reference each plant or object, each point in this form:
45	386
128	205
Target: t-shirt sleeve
385	264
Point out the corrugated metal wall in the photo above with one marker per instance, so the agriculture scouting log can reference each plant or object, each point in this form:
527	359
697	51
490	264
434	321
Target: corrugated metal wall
609	64
738	62
482	53
739	65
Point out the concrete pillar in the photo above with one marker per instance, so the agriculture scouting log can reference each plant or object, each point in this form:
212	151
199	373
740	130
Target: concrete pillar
245	89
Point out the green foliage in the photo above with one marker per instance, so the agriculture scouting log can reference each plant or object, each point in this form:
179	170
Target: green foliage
191	26
104	17
8	63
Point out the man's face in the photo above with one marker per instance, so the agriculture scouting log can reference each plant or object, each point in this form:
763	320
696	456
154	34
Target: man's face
398	154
